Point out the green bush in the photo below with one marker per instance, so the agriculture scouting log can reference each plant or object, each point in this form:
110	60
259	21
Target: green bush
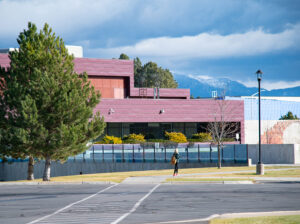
134	138
110	140
176	137
193	140
228	139
202	137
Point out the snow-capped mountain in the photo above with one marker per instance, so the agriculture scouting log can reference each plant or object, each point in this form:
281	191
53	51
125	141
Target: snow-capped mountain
203	87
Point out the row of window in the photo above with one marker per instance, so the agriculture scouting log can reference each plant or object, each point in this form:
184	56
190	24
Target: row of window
154	130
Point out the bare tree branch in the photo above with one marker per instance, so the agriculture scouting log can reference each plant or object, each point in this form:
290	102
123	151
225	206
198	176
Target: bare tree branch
223	126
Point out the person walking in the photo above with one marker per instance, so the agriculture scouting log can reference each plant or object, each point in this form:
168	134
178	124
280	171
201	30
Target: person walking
176	157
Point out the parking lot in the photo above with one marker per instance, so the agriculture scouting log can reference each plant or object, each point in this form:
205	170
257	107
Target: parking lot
140	203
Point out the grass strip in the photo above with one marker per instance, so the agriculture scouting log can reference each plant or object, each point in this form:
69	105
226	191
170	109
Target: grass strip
120	176
289	219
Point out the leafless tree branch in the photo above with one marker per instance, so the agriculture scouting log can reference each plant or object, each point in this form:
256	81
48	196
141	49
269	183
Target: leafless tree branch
222	127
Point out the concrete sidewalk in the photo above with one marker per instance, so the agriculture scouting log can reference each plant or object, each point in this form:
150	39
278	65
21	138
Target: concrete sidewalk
260	179
230	172
157	180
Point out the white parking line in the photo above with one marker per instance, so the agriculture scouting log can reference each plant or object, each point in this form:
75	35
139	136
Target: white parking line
70	205
135	206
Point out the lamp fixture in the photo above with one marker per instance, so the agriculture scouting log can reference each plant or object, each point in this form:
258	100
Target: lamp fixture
259	74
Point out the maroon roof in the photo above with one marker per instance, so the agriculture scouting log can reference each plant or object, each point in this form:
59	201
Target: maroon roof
94	67
4	60
174	110
104	67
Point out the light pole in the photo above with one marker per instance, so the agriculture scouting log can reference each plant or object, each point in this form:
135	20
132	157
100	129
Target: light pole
260	165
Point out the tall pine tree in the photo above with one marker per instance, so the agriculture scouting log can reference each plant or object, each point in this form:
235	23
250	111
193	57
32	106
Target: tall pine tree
48	107
151	75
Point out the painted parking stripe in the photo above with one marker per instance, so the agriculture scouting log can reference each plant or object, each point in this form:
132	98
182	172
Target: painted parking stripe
72	204
135	206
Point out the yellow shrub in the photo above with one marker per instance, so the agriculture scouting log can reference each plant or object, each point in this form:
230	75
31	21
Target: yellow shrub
134	138
176	137
202	137
111	140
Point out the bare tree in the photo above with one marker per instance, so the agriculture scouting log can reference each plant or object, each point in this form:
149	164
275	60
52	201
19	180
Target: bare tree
222	126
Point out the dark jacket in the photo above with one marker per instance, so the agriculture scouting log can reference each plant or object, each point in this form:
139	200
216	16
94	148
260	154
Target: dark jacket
176	156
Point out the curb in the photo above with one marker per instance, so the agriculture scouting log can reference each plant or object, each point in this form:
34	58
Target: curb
210	182
154	182
56	183
232	215
277	182
257	214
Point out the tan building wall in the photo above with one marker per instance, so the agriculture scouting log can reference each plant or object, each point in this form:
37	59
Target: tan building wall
110	88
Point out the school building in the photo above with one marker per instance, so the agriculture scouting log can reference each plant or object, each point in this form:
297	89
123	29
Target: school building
127	109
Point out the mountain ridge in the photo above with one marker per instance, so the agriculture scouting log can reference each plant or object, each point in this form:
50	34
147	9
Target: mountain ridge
203	87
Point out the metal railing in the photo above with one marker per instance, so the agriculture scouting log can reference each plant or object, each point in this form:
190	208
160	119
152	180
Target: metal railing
135	153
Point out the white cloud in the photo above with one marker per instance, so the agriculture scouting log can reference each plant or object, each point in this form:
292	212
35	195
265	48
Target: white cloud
67	16
211	45
270	85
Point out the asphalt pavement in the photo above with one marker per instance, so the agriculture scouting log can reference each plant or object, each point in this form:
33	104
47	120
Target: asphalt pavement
140	203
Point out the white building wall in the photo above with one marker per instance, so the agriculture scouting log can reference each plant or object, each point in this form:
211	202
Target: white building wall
281	98
77	51
297	154
251	130
273	130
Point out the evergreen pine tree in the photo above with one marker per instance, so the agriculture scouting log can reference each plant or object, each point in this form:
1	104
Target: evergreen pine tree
48	107
151	75
289	116
124	57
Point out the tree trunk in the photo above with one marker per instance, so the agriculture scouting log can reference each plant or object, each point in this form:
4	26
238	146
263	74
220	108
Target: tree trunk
46	176
219	157
30	170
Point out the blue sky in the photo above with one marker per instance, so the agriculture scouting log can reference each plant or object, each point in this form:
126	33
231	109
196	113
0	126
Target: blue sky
205	38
